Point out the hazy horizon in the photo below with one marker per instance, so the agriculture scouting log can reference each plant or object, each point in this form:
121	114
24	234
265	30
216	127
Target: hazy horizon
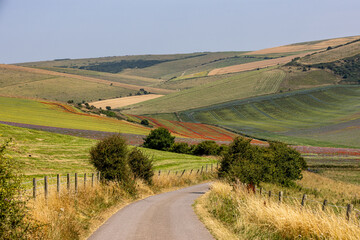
41	30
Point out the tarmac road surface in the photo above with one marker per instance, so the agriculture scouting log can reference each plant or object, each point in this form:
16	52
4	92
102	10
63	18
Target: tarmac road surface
165	216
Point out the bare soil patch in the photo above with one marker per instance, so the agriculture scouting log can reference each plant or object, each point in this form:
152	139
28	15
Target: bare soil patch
125	101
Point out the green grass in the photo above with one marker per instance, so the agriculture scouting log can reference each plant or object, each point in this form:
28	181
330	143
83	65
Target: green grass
236	86
61	154
64	89
35	112
323	116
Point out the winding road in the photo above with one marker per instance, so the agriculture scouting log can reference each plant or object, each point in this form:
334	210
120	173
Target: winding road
167	216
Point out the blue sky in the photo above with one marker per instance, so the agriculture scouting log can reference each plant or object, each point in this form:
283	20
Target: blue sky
34	30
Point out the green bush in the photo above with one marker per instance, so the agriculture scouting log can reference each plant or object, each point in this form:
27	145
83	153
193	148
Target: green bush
141	165
144	122
110	157
250	164
181	148
159	139
14	223
206	148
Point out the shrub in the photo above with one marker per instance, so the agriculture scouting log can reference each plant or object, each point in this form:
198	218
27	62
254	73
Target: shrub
108	108
252	164
14	223
109	156
206	148
144	122
181	148
159	139
141	165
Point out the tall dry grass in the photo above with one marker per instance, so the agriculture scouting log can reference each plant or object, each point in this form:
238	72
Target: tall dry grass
76	216
254	217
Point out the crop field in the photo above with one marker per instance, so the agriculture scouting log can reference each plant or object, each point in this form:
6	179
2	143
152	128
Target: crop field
191	130
125	101
122	78
39	153
298	79
59	115
238	86
254	65
307	46
333	54
88	79
302	117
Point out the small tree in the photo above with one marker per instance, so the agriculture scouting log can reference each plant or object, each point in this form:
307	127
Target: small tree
206	148
252	164
141	165
181	148
144	122
14	223
109	156
108	108
159	139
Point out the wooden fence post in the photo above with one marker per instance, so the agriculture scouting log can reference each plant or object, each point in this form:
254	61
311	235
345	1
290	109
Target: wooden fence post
303	200
324	205
176	173
202	169
159	172
68	181
190	172
58	184
261	190
182	173
34	188
169	173
76	183
92	180
84	180
348	211
269	195
280	196
197	172
46	187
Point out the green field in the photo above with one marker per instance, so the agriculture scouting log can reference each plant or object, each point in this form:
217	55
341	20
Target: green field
236	86
35	85
35	112
39	153
325	116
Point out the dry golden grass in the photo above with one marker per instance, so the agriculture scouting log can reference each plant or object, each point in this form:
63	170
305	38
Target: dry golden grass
253	65
76	216
333	54
125	101
91	79
254	217
305	47
332	189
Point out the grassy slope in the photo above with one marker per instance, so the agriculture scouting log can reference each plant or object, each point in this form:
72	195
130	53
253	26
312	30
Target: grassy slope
60	154
287	117
35	112
237	86
36	85
333	54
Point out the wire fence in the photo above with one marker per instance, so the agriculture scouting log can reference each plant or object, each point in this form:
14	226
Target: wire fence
73	182
304	200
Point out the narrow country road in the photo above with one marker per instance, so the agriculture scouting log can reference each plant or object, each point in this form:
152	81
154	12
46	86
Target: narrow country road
165	216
